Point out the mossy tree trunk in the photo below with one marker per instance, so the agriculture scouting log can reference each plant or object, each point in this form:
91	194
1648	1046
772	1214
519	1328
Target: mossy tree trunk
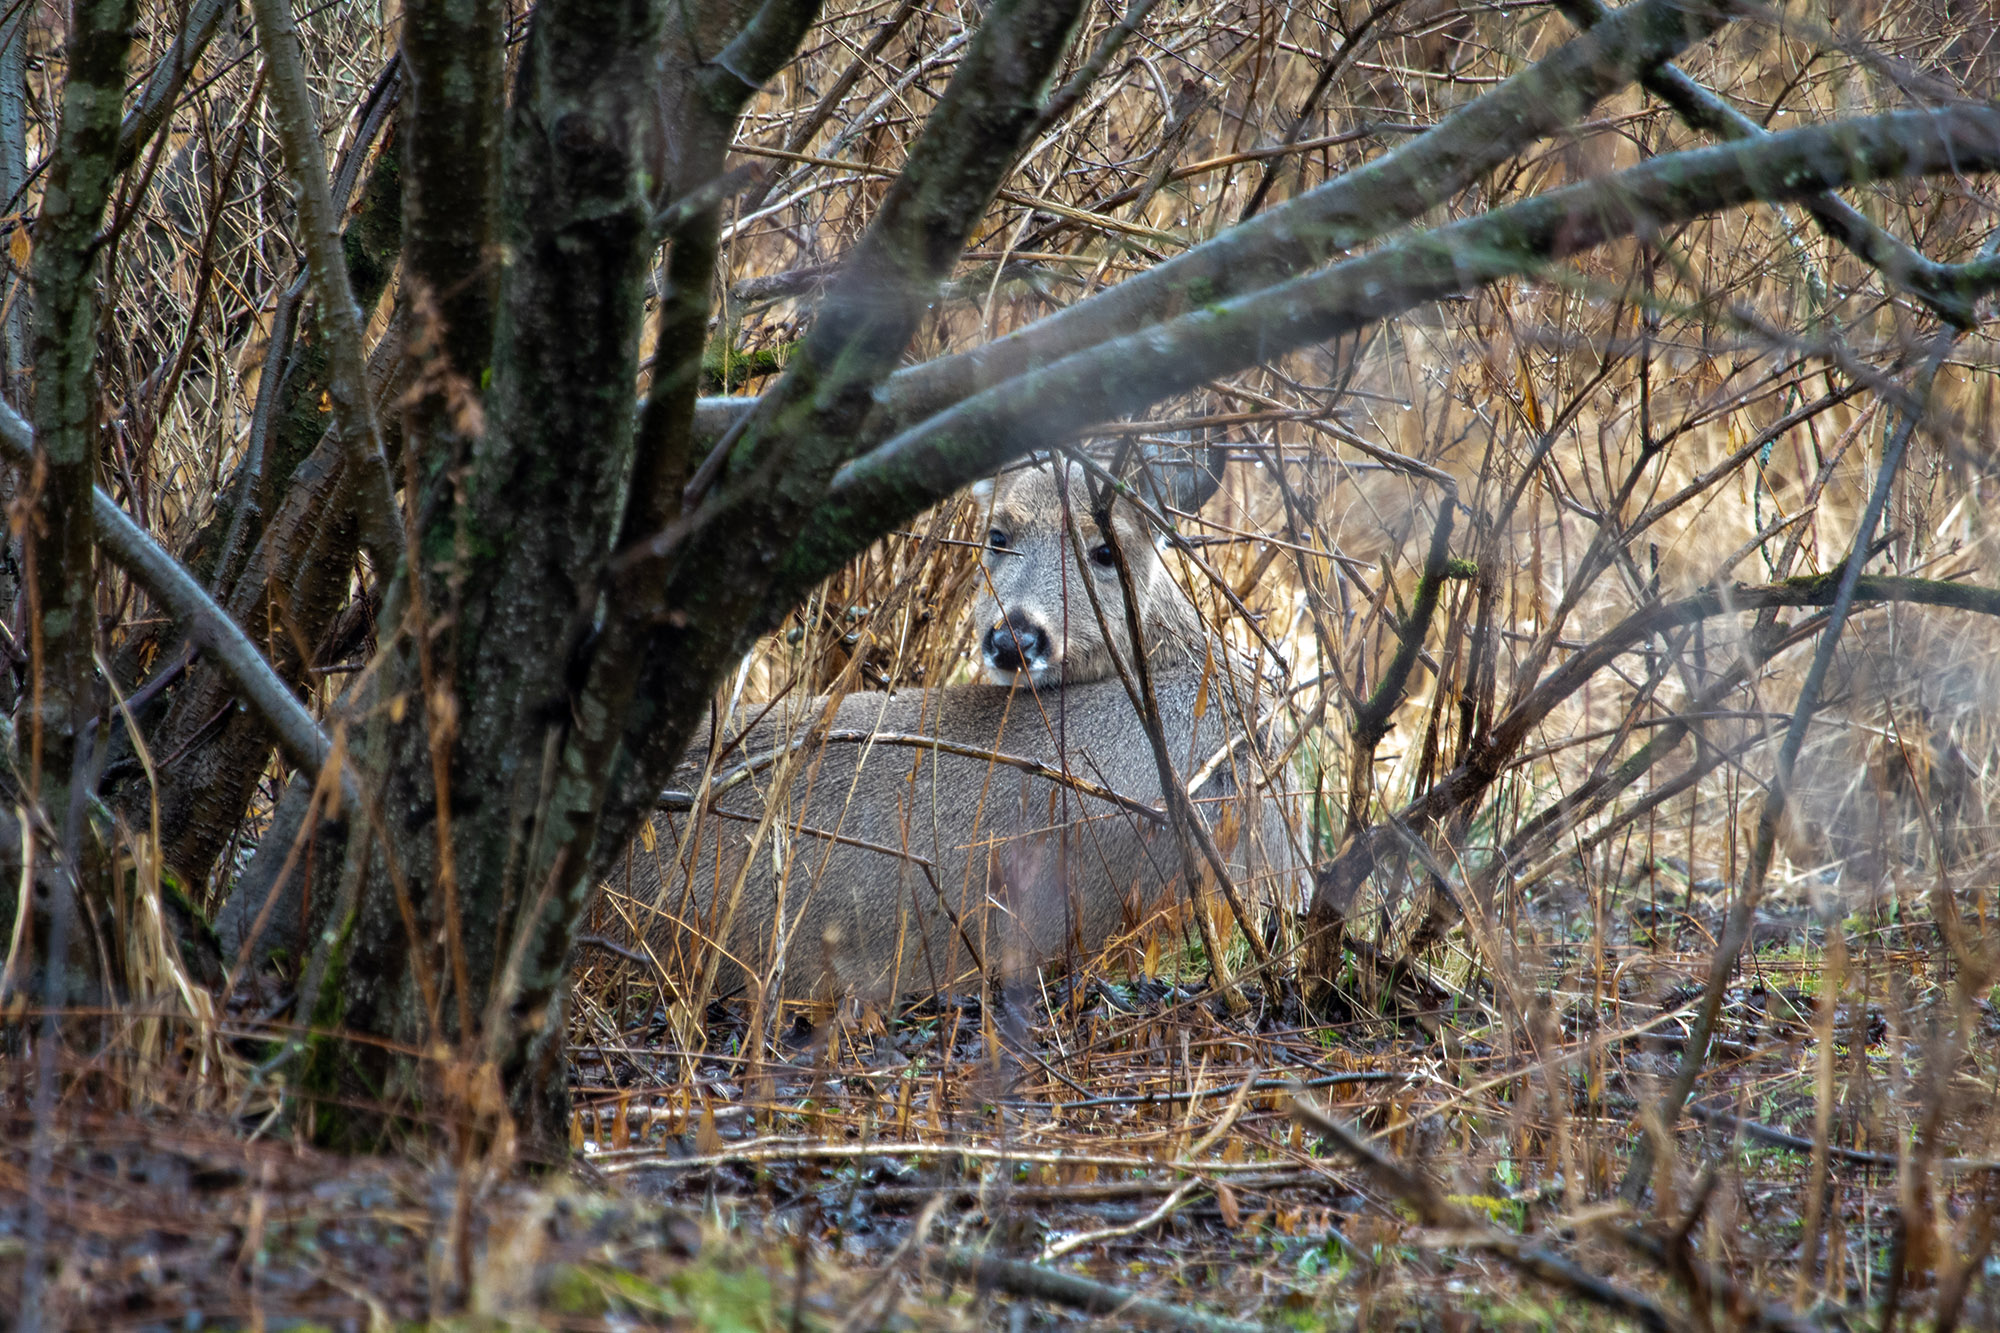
60	544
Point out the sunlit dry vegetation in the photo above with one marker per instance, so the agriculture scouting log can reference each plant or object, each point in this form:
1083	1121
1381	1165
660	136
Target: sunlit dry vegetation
1537	578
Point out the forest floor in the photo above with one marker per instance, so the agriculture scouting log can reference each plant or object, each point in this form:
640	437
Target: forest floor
931	1172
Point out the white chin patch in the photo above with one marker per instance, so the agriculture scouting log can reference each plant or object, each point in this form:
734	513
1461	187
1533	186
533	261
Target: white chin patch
1039	673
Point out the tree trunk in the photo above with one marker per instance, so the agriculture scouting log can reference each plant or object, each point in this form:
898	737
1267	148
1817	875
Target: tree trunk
456	938
60	544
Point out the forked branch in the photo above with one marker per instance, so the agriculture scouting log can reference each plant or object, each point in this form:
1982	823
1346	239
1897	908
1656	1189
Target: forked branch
1307	231
1947	289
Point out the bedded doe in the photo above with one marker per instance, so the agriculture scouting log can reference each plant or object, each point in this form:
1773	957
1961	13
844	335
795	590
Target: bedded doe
912	838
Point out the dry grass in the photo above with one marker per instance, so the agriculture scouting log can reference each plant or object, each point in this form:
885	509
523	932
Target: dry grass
1512	1059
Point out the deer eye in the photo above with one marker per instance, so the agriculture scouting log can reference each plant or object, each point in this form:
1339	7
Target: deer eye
996	539
1101	556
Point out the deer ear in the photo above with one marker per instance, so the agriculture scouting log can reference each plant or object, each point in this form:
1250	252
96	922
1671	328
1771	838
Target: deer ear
1182	474
1196	485
981	492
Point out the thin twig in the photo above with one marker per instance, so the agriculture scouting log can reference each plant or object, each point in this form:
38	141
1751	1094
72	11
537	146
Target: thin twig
1035	767
169	75
1066	97
1167	1208
796	1148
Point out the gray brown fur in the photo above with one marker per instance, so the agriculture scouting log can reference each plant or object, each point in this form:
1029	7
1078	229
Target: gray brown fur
968	862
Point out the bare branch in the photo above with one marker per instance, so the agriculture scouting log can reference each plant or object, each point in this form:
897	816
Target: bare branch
183	598
1947	290
451	180
712	95
1353	41
957	446
874	306
1305	232
1066	97
65	409
169	76
340	318
757	53
801	137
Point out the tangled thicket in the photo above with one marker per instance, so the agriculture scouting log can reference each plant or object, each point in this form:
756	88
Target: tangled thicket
1629	813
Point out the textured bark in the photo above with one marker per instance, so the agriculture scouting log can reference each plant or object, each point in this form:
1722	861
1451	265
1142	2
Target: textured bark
63	627
453	52
288	591
521	540
297	581
451	247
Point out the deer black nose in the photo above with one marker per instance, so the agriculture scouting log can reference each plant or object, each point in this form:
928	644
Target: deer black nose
1017	644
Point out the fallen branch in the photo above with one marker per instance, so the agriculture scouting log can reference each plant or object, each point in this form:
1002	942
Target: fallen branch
1434	1210
1019	1278
1198	1094
1773	1137
1026	1196
1167	1208
798	1148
